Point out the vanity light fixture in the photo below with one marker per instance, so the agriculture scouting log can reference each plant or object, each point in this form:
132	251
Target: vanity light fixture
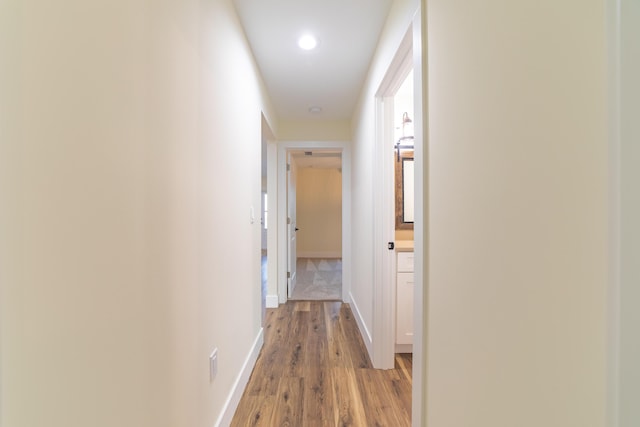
407	126
406	141
307	42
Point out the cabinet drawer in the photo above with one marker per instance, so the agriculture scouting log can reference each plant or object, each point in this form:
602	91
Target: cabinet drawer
404	308
405	262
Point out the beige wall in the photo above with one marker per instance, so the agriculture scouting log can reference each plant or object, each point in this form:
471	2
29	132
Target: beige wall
517	269
404	234
629	375
119	248
319	212
314	130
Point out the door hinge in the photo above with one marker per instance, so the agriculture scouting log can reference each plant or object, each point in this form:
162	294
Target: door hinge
288	167
288	275
288	220
391	246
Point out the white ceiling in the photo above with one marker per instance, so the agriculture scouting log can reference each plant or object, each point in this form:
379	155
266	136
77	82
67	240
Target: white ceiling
331	75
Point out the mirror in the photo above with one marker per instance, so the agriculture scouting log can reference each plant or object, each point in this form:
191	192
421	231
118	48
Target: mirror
404	190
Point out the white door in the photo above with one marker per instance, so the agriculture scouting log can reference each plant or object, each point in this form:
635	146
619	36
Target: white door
291	224
263	220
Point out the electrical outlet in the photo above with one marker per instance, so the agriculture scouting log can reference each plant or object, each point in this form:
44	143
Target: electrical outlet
213	364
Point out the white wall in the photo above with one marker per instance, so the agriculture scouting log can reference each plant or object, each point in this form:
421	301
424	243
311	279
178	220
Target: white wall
517	191
630	212
319	212
118	240
403	103
364	136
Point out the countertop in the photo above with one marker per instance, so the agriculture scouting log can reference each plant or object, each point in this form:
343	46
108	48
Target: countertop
404	245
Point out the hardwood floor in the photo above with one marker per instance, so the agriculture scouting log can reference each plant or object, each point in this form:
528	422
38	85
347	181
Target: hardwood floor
314	370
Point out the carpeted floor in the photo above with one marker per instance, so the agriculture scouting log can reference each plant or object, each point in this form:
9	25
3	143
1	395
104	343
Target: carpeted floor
318	279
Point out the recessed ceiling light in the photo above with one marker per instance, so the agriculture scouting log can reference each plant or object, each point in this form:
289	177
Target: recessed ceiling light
315	109
307	42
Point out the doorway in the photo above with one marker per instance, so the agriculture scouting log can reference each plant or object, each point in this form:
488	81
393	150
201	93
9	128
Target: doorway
264	226
317	193
409	56
318	166
268	224
394	279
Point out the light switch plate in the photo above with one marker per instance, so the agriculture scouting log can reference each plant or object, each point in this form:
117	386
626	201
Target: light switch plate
213	364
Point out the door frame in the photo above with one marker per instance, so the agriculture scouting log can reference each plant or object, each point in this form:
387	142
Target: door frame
268	158
384	299
283	148
291	176
384	285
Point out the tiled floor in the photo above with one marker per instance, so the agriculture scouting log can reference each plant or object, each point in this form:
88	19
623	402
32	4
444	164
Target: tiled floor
318	279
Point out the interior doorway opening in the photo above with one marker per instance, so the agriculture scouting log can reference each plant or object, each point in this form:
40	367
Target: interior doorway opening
404	210
395	253
264	240
268	227
334	158
393	218
315	224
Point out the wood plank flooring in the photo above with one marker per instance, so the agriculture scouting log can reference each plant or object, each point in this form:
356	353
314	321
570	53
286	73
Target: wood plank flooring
314	370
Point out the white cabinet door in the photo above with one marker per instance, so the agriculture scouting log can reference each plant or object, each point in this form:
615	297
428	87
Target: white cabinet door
405	262
404	311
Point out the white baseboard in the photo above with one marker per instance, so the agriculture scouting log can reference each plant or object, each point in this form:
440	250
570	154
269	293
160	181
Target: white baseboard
230	406
366	335
272	301
319	254
404	348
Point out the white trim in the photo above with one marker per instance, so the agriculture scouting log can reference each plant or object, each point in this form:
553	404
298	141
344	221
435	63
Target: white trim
282	225
272	301
319	254
273	225
346	223
230	406
404	348
366	335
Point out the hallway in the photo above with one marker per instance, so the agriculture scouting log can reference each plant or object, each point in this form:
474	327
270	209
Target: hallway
131	137
314	371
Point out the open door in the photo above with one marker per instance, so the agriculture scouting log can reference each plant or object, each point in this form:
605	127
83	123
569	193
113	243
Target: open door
291	225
